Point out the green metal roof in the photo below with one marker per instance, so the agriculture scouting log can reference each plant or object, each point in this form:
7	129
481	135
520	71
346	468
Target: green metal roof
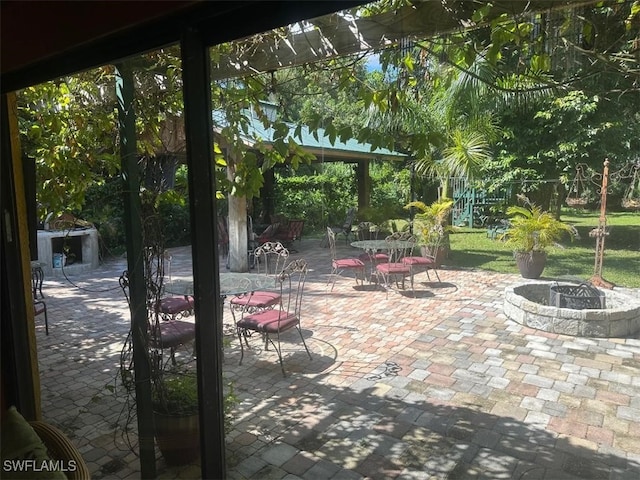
321	147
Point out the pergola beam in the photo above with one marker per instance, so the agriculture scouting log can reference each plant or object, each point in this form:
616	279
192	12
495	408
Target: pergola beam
338	35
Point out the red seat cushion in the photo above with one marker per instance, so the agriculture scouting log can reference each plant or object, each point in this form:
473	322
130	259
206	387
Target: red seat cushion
176	332
174	305
348	263
423	261
257	299
376	257
268	321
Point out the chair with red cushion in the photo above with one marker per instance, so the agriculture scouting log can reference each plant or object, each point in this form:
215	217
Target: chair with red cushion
399	245
166	330
338	265
271	323
270	258
427	261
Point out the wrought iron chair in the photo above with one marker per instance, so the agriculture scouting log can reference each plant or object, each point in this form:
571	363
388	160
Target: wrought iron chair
39	307
427	261
270	258
285	316
37	278
166	330
338	265
394	270
344	229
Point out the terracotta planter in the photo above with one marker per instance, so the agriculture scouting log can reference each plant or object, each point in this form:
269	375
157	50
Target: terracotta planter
178	437
530	264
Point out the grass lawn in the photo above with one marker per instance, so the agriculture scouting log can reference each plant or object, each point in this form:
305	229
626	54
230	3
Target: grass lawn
621	265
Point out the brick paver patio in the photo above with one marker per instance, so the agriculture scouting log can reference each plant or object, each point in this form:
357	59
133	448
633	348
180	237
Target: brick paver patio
436	385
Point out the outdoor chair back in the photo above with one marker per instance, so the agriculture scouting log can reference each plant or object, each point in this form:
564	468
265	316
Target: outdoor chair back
368	231
270	258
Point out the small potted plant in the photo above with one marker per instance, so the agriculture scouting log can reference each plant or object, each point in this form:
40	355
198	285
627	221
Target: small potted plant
175	412
530	233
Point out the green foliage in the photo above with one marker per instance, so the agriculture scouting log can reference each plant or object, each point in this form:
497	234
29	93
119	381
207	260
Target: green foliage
174	211
393	225
533	229
104	207
390	189
323	198
68	128
175	392
432	220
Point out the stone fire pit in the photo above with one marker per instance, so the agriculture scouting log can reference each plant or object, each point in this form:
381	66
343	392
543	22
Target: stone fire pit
528	304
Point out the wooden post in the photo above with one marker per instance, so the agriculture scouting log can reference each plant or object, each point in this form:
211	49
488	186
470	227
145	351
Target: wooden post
601	232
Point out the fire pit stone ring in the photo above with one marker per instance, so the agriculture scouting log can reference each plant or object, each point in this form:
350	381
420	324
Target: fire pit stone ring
528	304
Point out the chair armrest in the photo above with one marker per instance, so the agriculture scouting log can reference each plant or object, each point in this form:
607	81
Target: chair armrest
60	447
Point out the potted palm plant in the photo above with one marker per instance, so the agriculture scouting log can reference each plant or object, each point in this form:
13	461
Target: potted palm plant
431	225
530	233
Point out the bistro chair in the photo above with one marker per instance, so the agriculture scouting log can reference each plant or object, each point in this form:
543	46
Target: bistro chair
399	245
338	265
270	258
39	307
165	327
37	278
285	316
427	261
344	229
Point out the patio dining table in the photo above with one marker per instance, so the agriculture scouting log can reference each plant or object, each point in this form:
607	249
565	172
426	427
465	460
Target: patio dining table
373	246
231	283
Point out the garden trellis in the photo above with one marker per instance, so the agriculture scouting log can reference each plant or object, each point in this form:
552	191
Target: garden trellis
630	170
578	192
631	198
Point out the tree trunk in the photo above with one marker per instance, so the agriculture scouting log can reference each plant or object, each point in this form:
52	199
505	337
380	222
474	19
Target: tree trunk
238	245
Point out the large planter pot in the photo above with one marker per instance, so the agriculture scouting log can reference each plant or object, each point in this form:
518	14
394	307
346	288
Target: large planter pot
178	437
530	264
